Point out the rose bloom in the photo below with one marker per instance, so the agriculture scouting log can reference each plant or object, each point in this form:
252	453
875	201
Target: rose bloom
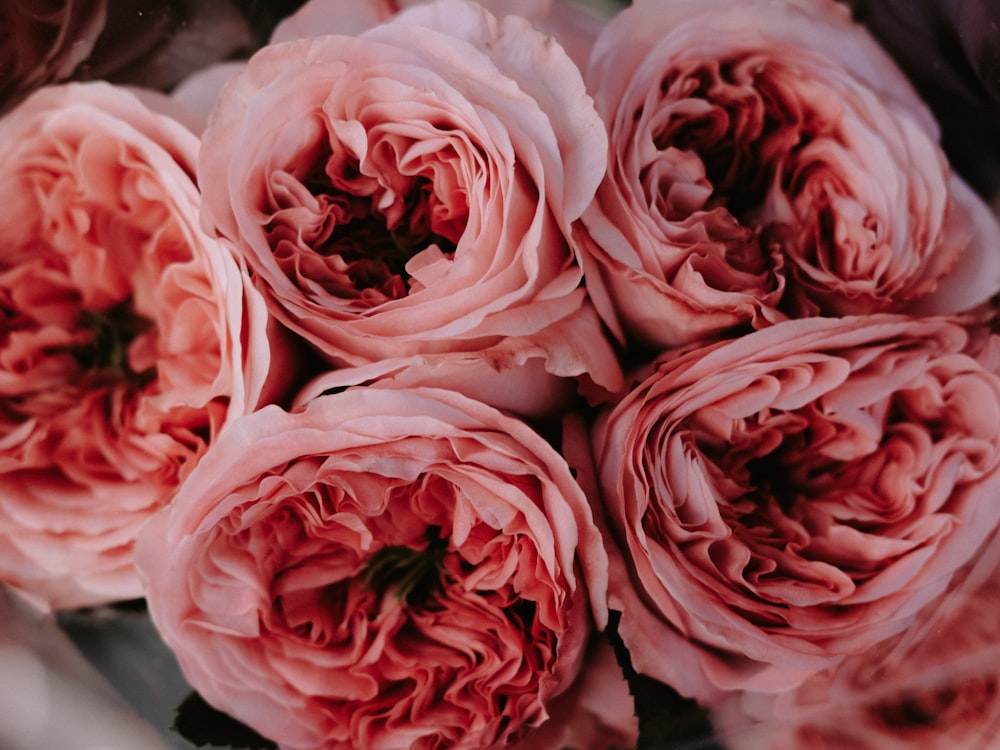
936	687
785	500
129	337
381	569
769	160
410	191
42	43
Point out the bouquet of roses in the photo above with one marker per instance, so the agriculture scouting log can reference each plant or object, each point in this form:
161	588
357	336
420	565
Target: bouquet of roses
446	374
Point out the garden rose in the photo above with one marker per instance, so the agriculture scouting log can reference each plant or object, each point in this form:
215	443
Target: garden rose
768	159
43	43
129	339
935	687
410	191
382	569
791	498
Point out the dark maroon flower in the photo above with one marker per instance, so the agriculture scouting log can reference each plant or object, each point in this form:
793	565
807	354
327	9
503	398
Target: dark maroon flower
951	51
44	42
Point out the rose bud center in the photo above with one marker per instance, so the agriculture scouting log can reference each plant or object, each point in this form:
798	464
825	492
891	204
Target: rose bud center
105	356
414	574
731	115
367	219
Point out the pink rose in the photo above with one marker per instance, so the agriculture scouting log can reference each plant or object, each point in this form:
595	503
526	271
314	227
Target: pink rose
384	568
785	500
935	687
129	338
42	43
410	191
769	160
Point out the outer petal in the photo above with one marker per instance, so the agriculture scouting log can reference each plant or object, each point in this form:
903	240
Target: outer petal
574	26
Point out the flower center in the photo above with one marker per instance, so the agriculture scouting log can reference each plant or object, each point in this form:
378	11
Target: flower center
734	116
414	574
376	254
105	355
